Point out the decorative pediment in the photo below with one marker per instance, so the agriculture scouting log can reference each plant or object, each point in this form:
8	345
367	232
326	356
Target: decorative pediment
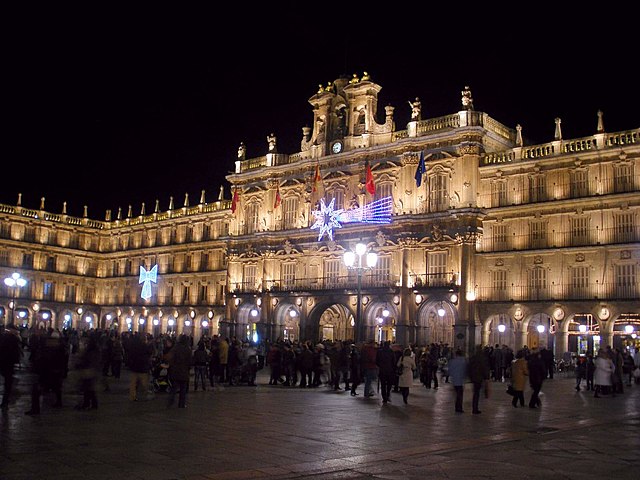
288	249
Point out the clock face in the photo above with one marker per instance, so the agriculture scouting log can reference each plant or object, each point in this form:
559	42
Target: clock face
337	147
558	314
604	313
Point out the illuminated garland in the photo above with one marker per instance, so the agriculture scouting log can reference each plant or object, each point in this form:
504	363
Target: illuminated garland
327	218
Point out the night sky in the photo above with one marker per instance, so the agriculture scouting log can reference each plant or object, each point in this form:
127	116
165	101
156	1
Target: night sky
108	107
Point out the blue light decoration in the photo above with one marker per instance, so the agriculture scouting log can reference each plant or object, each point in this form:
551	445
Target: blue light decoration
327	218
146	277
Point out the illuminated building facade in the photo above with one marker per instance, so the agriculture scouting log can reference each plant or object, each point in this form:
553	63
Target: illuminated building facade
488	240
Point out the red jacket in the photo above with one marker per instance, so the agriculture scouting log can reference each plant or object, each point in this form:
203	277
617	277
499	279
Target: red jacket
368	356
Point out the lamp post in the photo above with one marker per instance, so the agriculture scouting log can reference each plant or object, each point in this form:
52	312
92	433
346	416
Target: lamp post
15	281
353	261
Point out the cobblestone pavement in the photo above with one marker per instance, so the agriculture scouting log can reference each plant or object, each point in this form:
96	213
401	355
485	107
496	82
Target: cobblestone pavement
275	432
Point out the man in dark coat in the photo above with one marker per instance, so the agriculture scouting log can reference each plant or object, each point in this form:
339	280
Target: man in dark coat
10	354
49	361
179	359
549	361
478	374
139	361
537	374
305	365
386	362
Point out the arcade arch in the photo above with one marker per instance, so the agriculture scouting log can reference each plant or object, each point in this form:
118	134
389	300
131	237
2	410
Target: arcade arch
435	322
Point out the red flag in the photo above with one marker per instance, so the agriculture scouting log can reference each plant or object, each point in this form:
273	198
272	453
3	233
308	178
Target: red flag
370	185
278	200
317	178
234	202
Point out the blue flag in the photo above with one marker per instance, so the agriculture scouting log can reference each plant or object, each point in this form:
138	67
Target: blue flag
421	170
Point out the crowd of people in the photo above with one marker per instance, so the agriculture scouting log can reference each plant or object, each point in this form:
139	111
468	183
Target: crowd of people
97	358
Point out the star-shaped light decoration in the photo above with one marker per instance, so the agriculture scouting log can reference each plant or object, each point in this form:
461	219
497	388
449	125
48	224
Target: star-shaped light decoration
327	219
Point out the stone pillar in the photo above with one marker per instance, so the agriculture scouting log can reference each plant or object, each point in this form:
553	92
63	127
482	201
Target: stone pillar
561	343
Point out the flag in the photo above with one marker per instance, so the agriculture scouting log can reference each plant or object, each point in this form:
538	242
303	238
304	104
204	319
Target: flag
421	170
234	202
369	184
317	178
278	199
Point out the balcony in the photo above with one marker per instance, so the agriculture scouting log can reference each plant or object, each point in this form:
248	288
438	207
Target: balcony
591	291
557	239
316	284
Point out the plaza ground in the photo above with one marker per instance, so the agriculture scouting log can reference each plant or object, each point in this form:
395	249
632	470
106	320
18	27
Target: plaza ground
275	432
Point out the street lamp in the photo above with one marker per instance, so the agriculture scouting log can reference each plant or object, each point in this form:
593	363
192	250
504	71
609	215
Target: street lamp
350	261
501	329
15	281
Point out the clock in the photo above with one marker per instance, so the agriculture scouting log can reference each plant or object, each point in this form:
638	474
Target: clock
558	314
336	147
604	313
518	314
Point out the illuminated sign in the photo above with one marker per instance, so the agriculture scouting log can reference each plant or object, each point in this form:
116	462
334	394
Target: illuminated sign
327	218
146	277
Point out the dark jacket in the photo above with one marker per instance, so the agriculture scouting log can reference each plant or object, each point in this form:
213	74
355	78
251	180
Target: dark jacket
139	355
386	362
478	367
179	359
537	370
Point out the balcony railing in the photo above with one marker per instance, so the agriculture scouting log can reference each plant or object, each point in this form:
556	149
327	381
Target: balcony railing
319	283
432	280
557	239
515	194
591	291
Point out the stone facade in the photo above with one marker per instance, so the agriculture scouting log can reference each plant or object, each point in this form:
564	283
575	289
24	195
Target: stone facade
541	239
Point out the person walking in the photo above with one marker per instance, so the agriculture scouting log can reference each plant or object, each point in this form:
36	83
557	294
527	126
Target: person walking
602	377
10	355
386	363
214	360
139	361
89	365
590	369
369	368
180	360
200	362
305	366
117	357
627	366
408	365
457	377
50	362
537	374
355	376
478	374
581	371
519	374
223	354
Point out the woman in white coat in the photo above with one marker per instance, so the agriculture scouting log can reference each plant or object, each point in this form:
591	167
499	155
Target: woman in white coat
603	374
405	381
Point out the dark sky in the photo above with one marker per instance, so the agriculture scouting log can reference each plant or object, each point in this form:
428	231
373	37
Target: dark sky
108	107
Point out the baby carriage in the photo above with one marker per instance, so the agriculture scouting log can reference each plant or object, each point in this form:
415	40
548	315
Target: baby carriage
160	381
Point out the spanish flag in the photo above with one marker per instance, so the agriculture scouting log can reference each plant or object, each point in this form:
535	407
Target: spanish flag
369	184
234	202
278	199
317	178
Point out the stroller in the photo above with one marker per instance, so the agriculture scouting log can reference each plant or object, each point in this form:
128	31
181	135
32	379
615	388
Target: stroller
160	377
